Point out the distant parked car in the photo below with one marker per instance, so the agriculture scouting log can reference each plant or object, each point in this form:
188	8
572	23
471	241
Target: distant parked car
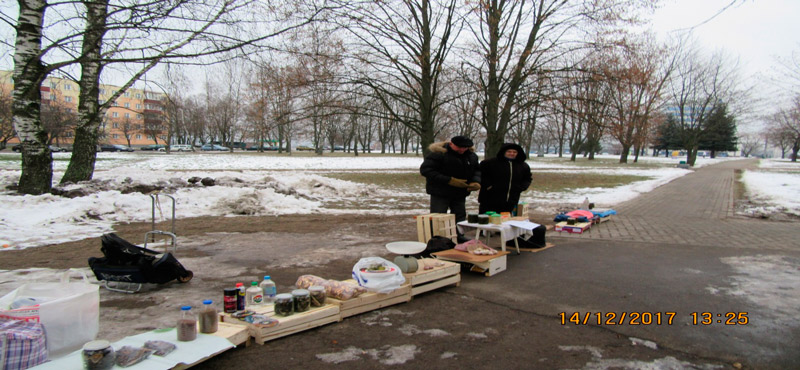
266	148
304	148
338	147
115	148
17	148
153	147
213	147
57	149
178	148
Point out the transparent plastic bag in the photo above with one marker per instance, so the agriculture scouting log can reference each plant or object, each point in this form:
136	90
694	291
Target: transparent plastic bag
378	275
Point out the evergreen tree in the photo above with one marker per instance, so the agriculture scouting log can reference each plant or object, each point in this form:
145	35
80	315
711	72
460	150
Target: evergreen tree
668	135
720	132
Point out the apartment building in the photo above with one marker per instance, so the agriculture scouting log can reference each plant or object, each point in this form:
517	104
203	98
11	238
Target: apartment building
136	116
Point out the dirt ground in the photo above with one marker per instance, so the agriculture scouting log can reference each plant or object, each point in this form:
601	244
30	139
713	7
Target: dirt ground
436	329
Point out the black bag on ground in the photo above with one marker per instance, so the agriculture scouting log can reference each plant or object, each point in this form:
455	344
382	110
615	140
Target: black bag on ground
126	262
535	241
436	244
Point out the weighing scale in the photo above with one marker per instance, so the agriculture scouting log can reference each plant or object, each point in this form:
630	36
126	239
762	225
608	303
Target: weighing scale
404	261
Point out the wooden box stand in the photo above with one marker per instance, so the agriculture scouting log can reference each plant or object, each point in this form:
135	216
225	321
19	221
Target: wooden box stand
287	325
578	228
446	273
370	301
236	333
488	265
433	224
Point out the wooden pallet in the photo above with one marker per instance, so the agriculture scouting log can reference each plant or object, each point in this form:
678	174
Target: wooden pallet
578	228
433	224
421	281
370	301
487	265
287	325
536	250
236	333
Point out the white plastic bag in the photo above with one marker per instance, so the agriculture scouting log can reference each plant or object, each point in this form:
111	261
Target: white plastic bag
69	311
383	281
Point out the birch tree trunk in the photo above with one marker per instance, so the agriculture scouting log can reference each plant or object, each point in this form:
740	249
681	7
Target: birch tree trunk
29	73
84	153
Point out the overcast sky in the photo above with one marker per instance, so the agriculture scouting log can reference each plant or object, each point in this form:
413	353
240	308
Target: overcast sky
755	31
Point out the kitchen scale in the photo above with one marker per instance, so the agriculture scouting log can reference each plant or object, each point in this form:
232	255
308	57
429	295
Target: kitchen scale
404	261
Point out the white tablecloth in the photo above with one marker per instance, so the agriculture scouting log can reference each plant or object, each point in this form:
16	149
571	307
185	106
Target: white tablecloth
205	345
509	230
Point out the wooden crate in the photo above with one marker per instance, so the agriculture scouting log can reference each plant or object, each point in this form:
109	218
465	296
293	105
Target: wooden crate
522	210
287	325
370	301
421	281
578	228
487	265
433	224
236	333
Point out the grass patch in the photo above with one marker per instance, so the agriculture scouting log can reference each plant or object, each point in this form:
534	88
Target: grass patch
406	181
553	182
542	181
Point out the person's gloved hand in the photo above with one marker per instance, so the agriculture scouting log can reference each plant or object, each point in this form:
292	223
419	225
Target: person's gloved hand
473	186
459	183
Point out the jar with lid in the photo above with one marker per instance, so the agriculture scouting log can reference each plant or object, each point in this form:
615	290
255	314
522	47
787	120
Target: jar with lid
284	304
472	218
209	318
187	325
98	355
302	300
318	294
483	219
496	219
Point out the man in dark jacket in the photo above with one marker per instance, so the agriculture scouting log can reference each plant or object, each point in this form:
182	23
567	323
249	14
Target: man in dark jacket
451	172
505	177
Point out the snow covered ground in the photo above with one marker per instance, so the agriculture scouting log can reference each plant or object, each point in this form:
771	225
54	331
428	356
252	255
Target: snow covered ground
773	188
271	185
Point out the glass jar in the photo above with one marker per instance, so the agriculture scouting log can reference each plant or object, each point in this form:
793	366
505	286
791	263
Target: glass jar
472	218
317	295
284	304
209	318
496	219
302	300
483	219
187	325
98	355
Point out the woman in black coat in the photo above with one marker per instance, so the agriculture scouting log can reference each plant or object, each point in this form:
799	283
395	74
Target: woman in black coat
503	179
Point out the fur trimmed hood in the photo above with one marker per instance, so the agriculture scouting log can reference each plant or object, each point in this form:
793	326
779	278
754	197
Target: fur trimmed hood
441	147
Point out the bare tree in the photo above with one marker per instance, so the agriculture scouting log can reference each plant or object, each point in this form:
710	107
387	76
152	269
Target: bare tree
403	46
697	86
124	34
636	74
515	40
6	117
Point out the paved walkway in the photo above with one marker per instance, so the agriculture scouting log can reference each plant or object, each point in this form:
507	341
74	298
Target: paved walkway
696	209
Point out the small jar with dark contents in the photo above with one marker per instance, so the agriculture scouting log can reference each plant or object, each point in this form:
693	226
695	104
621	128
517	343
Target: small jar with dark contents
302	300
317	295
284	304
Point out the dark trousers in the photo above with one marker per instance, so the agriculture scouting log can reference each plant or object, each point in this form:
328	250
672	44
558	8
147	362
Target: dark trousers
455	205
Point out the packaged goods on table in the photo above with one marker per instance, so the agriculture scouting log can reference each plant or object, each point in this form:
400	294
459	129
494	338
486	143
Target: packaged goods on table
334	289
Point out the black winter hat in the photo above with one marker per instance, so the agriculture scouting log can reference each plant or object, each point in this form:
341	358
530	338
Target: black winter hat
462	141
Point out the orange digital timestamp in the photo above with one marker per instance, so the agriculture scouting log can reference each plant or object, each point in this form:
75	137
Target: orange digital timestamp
725	318
617	318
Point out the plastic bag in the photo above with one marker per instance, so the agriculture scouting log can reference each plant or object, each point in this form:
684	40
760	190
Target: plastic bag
69	311
340	290
476	247
368	273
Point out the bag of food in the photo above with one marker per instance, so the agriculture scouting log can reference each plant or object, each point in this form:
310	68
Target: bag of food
378	275
69	311
340	290
22	344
